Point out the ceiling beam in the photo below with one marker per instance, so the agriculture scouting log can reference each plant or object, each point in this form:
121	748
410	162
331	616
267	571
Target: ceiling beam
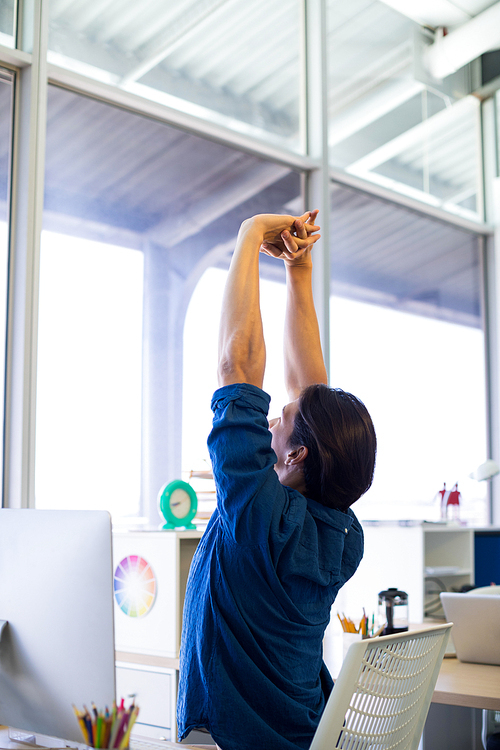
433	13
178	227
419	133
371	108
452	51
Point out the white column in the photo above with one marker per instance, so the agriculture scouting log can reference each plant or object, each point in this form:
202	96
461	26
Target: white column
26	224
493	338
492	293
162	376
317	183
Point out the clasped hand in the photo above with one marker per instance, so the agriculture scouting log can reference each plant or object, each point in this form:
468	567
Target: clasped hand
288	237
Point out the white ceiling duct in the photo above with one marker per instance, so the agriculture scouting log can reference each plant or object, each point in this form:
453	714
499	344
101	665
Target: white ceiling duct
451	52
432	13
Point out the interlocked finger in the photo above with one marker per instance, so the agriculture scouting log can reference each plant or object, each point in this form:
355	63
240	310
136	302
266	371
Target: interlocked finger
296	246
300	229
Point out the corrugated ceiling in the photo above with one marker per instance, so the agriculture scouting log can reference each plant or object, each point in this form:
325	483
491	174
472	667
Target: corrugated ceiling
109	168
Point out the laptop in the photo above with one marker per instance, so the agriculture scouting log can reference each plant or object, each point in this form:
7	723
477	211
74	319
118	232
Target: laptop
476	626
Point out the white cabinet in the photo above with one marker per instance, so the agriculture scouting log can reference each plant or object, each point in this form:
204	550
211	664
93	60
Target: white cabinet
404	557
154	689
150	576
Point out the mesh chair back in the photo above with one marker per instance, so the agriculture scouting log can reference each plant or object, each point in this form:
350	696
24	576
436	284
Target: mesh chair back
382	695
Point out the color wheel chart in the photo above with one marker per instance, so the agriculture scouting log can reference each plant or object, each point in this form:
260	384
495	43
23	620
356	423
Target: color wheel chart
134	586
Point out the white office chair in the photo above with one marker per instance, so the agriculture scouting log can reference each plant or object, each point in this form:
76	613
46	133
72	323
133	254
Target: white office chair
383	692
382	695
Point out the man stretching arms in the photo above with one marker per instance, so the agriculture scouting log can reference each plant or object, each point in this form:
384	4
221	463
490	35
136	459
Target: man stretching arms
283	538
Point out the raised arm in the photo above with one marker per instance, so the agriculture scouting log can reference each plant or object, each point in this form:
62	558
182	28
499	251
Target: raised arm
242	354
304	363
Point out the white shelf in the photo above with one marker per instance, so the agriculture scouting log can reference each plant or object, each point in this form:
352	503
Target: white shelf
447	570
147	646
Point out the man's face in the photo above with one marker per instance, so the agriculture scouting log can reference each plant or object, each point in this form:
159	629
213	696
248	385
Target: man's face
281	431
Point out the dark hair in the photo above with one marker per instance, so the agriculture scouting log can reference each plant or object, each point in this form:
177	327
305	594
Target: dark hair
338	432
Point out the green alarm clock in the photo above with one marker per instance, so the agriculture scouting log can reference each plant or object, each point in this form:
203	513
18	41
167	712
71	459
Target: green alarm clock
178	504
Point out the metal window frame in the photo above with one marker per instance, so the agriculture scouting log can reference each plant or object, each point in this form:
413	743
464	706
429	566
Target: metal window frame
24	255
33	76
491	289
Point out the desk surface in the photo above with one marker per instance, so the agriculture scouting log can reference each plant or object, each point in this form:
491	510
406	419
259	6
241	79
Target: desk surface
459	684
472	685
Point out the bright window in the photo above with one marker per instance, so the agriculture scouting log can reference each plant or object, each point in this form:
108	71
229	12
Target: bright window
200	360
88	448
7	23
406	336
422	381
134	212
390	122
223	60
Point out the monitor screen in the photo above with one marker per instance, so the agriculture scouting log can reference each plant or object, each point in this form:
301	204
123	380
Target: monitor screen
56	595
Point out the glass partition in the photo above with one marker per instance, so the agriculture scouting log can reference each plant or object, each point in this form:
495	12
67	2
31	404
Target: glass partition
235	63
407	338
135	212
389	121
200	343
7	23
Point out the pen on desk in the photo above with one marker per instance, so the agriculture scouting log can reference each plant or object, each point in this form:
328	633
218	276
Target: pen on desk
87	733
98	731
126	736
365	627
82	723
348	625
107	728
121	729
114	730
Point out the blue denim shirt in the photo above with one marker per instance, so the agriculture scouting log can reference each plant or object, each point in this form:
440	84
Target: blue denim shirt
263	579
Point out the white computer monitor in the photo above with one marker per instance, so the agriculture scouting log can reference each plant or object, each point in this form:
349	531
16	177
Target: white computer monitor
56	595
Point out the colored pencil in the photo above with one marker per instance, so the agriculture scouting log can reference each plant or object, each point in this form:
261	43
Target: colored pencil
110	730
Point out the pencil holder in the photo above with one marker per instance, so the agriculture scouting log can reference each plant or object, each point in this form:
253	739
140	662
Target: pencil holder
109	730
347	640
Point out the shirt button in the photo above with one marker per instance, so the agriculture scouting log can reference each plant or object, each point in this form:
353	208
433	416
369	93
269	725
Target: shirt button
346	531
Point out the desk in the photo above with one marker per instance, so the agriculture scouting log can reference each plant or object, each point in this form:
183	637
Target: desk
470	685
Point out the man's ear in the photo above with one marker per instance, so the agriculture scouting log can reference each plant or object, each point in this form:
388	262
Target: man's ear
296	456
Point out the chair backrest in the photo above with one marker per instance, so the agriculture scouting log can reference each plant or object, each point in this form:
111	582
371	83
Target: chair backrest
383	692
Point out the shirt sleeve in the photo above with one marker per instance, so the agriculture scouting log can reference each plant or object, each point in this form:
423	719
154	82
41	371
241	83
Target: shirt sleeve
250	497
